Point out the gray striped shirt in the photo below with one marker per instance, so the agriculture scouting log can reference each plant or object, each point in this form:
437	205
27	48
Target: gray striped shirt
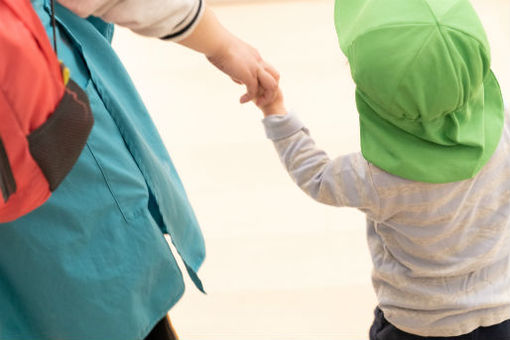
441	252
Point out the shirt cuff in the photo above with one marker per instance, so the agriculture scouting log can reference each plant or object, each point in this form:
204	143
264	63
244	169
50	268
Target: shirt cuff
282	126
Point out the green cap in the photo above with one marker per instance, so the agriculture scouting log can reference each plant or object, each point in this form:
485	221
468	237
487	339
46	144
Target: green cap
430	108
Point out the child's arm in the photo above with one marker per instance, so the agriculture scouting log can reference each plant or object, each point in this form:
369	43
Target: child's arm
344	181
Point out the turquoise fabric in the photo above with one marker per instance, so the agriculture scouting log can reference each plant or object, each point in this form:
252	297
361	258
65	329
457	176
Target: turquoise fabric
92	263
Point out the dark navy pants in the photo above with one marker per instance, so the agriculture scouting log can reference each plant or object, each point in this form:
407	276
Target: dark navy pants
163	331
383	330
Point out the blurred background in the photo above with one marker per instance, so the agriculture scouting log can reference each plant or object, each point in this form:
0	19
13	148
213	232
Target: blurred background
279	265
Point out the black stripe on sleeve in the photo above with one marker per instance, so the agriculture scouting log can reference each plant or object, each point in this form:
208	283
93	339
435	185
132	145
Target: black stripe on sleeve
187	27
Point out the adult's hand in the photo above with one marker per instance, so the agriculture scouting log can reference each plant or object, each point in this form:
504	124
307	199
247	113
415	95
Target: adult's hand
235	58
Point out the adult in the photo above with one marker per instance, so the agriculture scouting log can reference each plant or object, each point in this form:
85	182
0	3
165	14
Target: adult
92	262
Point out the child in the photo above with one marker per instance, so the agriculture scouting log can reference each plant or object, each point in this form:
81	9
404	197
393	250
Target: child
433	177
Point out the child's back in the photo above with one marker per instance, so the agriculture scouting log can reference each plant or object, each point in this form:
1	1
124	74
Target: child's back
441	252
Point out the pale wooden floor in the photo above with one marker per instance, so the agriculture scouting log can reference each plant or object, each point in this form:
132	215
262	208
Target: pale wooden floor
279	265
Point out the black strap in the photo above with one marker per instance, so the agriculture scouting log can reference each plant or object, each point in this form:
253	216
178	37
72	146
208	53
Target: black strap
54	26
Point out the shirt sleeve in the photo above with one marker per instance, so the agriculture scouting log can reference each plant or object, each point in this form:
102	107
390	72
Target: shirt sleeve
166	19
344	181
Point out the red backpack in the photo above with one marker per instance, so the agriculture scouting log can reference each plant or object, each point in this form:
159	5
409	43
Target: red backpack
44	119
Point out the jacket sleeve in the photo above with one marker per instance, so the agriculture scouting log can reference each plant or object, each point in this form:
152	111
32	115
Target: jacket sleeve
166	19
343	182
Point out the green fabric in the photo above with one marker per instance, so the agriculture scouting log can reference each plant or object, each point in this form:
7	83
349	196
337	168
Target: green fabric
430	108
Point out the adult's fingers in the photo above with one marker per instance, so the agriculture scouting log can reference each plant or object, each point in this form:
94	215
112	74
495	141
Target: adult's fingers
269	86
267	80
269	68
252	88
236	81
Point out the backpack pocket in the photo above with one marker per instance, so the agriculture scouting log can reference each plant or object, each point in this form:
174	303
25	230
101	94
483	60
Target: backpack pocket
57	144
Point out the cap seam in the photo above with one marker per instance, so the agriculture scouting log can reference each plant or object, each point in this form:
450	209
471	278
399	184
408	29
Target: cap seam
447	45
411	63
462	31
383	26
468	34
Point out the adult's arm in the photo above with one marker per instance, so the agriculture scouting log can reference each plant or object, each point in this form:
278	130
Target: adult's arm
234	57
192	24
167	19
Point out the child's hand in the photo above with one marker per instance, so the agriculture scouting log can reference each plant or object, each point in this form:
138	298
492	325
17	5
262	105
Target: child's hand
274	107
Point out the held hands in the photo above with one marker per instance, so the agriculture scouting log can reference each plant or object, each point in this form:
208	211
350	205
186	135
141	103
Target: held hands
234	57
244	65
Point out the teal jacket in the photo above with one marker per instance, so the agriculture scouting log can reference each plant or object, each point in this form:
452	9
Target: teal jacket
92	263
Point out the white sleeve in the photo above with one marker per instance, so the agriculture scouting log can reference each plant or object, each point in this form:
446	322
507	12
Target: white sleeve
167	19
